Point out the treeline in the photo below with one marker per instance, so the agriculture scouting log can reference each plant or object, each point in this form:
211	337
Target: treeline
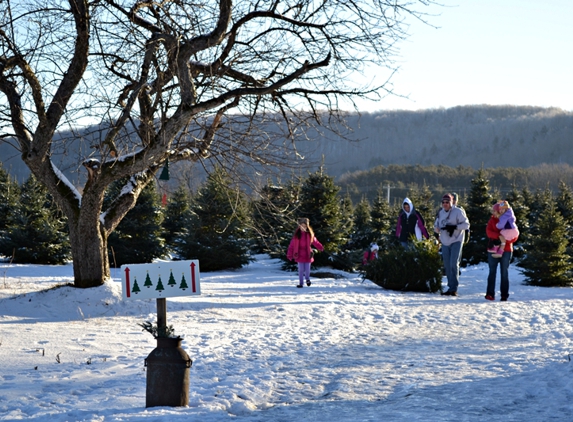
223	227
397	179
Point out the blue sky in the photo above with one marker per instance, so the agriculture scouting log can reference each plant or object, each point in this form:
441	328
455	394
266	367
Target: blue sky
515	52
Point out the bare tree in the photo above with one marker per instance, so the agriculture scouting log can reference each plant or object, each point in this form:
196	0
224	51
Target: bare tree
178	80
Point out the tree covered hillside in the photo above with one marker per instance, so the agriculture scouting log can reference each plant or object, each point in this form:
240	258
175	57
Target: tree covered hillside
492	136
472	136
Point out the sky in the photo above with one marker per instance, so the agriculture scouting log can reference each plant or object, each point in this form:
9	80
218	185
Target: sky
341	350
494	52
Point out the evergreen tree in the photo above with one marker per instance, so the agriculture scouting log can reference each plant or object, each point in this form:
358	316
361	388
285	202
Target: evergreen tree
177	219
35	231
528	198
319	202
394	212
478	211
539	201
423	203
564	202
417	269
347	215
547	262
9	194
383	221
217	234
496	194
137	239
363	234
349	255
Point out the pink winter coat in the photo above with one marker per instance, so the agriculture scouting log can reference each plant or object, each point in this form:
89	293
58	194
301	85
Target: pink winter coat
300	250
369	256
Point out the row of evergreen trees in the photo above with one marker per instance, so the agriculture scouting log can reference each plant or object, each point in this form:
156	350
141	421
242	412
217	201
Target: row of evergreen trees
223	227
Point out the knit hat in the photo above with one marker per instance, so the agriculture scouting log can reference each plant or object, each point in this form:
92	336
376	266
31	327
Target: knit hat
374	247
447	197
303	221
495	207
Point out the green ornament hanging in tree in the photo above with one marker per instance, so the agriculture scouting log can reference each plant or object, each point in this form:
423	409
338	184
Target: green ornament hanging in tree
165	172
164	176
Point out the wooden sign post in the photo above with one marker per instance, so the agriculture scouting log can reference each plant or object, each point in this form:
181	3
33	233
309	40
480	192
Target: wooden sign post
161	280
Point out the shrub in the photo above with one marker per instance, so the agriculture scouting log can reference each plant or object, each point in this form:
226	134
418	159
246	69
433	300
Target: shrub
418	269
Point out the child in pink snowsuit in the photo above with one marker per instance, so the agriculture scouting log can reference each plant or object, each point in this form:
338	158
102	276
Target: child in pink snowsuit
370	254
300	250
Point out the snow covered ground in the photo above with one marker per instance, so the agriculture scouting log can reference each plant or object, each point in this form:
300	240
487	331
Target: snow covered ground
263	350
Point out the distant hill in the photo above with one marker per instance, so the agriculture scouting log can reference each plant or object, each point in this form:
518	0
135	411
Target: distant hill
492	136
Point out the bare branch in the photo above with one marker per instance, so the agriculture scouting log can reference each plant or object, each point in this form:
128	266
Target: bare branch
205	81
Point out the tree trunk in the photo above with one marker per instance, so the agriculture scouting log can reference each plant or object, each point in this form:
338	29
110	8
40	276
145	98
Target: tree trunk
89	252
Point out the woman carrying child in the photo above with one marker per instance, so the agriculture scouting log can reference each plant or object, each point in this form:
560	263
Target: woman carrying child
507	226
300	250
503	254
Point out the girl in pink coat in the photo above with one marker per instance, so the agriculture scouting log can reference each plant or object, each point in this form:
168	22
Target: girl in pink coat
300	250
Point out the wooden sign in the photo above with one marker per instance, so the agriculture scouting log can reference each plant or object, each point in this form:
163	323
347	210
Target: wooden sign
160	280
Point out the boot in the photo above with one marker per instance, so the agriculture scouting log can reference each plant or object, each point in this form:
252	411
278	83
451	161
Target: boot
499	252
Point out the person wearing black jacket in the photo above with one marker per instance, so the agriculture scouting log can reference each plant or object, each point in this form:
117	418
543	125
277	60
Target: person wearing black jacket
410	225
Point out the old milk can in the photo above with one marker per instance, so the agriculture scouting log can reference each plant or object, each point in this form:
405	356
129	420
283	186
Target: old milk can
167	374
